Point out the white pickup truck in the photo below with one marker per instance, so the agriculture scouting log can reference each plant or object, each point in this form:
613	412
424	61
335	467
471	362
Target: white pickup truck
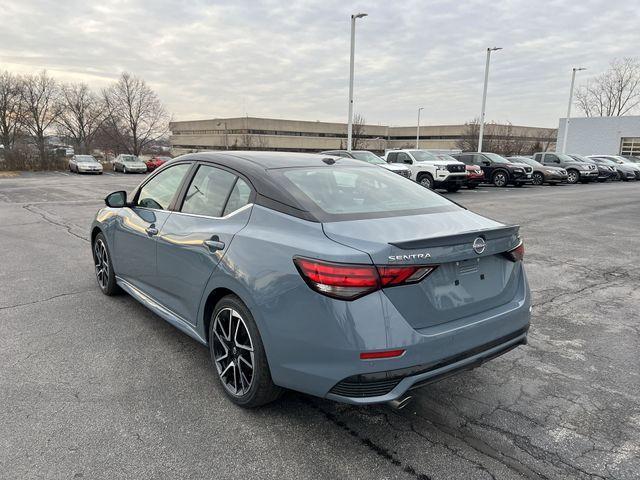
428	170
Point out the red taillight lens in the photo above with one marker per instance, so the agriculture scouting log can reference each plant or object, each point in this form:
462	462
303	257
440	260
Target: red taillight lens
338	280
392	275
516	254
351	281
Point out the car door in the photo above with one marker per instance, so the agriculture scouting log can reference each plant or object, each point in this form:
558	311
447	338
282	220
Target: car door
197	235
138	225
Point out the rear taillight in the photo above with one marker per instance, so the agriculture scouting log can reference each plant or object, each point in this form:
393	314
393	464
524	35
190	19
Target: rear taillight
351	281
516	254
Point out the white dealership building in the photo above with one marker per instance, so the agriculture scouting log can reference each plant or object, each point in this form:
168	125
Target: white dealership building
601	135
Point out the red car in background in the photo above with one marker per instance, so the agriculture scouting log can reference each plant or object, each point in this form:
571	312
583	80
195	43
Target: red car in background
155	162
475	176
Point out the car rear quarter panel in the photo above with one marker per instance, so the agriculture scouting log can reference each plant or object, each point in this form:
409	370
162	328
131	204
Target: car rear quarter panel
307	336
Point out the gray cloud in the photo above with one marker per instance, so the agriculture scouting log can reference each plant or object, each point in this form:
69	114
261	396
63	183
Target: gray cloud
290	59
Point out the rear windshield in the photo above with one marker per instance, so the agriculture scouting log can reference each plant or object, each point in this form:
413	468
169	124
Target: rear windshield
350	193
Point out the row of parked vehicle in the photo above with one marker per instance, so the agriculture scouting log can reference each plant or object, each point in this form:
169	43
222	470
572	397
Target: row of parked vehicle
451	171
122	163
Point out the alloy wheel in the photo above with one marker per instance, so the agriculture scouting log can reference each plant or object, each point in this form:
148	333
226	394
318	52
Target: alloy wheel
425	181
538	179
233	352
500	179
572	176
101	258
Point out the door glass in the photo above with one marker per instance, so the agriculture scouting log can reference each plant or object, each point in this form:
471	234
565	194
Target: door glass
208	191
159	191
404	158
239	197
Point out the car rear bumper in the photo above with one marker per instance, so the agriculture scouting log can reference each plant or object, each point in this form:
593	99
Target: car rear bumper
390	385
436	352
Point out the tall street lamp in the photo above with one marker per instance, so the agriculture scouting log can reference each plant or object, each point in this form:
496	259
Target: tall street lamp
566	123
418	129
353	47
484	94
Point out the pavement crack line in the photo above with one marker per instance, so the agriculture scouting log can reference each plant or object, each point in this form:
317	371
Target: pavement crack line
7	307
47	217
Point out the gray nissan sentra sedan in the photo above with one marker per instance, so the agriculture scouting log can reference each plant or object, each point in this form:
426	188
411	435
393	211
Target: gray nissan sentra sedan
320	274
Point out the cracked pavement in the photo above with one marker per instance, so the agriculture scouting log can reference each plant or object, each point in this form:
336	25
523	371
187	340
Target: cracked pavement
97	387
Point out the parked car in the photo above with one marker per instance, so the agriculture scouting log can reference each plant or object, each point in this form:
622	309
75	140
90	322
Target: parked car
626	171
428	171
497	169
156	162
632	158
542	173
475	175
605	172
84	164
128	164
372	158
576	171
336	279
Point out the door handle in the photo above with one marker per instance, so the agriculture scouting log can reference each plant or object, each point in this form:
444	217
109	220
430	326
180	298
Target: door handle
151	231
214	245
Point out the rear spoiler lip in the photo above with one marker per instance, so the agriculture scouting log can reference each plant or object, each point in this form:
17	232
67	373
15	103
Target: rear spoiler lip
458	238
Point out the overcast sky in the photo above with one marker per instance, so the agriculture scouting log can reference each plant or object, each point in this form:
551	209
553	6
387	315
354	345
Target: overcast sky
290	59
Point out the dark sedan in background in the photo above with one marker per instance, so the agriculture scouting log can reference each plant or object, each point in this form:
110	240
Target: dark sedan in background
605	172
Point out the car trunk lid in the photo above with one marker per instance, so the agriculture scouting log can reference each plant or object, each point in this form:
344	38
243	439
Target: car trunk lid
466	281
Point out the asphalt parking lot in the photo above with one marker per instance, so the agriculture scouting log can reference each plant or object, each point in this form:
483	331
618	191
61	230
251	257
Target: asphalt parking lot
100	388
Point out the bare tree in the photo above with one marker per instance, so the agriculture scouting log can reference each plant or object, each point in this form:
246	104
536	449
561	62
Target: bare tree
10	108
468	141
40	107
135	113
358	141
503	139
615	92
81	115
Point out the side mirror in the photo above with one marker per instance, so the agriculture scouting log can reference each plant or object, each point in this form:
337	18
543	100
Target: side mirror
408	161
116	199
486	163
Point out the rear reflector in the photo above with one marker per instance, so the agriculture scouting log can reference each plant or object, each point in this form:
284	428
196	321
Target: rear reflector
385	354
351	281
517	253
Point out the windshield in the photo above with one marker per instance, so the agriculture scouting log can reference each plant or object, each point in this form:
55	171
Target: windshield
604	161
129	158
580	158
85	159
496	158
422	156
565	158
358	192
446	158
529	161
368	157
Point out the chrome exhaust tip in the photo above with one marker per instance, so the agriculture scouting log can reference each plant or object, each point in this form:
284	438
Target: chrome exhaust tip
400	403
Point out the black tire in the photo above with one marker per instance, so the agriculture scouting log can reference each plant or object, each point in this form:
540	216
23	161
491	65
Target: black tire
107	282
537	178
453	188
500	179
124	169
261	389
573	176
426	180
472	186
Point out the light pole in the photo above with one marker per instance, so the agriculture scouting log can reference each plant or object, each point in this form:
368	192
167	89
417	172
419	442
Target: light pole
418	128
566	123
484	94
226	138
353	47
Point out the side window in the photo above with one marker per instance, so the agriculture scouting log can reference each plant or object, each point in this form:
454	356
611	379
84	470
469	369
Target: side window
208	191
404	158
481	160
392	157
466	159
159	191
551	158
239	197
